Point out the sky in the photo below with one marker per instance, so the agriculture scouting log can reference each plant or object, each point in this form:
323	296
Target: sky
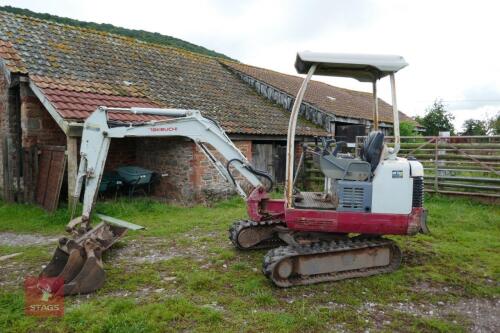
451	46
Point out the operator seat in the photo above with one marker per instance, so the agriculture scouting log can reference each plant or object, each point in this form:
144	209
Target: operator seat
343	168
372	149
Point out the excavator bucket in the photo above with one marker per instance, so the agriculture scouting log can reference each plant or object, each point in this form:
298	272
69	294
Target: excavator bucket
78	262
90	276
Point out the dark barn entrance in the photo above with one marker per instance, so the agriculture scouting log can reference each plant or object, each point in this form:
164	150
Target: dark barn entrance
349	132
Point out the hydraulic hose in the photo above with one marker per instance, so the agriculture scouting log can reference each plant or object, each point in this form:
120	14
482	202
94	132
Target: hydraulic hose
259	173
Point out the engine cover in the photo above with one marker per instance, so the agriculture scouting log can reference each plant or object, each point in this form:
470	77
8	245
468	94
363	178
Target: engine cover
392	187
354	196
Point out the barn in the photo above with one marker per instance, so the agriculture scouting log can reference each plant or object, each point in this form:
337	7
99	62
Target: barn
53	76
342	112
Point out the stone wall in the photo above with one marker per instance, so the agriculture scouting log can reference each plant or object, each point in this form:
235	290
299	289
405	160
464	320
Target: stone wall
212	185
173	157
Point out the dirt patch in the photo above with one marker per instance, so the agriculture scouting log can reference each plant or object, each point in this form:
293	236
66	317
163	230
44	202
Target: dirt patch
150	250
14	271
483	314
414	258
13	239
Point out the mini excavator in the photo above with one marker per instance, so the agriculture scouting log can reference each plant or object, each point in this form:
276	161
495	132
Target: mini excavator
312	236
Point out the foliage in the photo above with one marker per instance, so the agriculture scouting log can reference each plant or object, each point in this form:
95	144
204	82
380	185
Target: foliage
475	127
489	126
146	36
407	128
494	124
200	283
437	119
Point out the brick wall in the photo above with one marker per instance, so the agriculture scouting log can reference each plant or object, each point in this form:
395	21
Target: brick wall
3	126
38	127
212	186
10	137
191	176
122	152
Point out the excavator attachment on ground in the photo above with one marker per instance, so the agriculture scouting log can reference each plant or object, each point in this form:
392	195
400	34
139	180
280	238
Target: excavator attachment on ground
78	260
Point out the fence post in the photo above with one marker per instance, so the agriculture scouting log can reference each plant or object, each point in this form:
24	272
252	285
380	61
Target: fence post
436	156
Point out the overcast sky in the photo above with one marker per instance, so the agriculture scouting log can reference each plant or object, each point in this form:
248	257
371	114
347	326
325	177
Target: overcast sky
452	46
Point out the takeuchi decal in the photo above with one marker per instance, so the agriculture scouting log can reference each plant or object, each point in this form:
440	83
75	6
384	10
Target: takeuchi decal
163	129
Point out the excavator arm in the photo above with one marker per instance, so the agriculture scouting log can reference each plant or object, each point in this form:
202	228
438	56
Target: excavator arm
97	135
77	261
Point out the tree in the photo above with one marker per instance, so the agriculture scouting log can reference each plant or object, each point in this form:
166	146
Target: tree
475	127
494	124
407	128
437	119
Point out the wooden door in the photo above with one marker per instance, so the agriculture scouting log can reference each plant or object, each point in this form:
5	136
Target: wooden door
280	163
262	157
51	166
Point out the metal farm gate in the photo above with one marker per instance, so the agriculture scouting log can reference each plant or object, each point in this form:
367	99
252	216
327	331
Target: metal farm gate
455	165
462	165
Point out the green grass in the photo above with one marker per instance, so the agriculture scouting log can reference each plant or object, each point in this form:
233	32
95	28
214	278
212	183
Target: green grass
207	286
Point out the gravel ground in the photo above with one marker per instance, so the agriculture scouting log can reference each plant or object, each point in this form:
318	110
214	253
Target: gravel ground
483	314
12	239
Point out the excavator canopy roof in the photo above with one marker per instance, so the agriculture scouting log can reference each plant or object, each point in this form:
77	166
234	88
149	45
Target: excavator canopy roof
362	67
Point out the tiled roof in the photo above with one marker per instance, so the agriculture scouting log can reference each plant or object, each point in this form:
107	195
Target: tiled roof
330	99
76	100
78	69
11	58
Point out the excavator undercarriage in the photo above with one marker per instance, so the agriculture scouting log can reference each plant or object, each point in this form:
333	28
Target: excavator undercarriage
298	258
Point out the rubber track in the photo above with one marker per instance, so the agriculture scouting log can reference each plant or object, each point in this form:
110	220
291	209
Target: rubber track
274	256
238	226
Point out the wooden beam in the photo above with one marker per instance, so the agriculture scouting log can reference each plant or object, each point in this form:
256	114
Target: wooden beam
75	129
72	154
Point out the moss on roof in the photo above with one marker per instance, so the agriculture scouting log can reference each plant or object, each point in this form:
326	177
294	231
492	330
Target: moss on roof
146	36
